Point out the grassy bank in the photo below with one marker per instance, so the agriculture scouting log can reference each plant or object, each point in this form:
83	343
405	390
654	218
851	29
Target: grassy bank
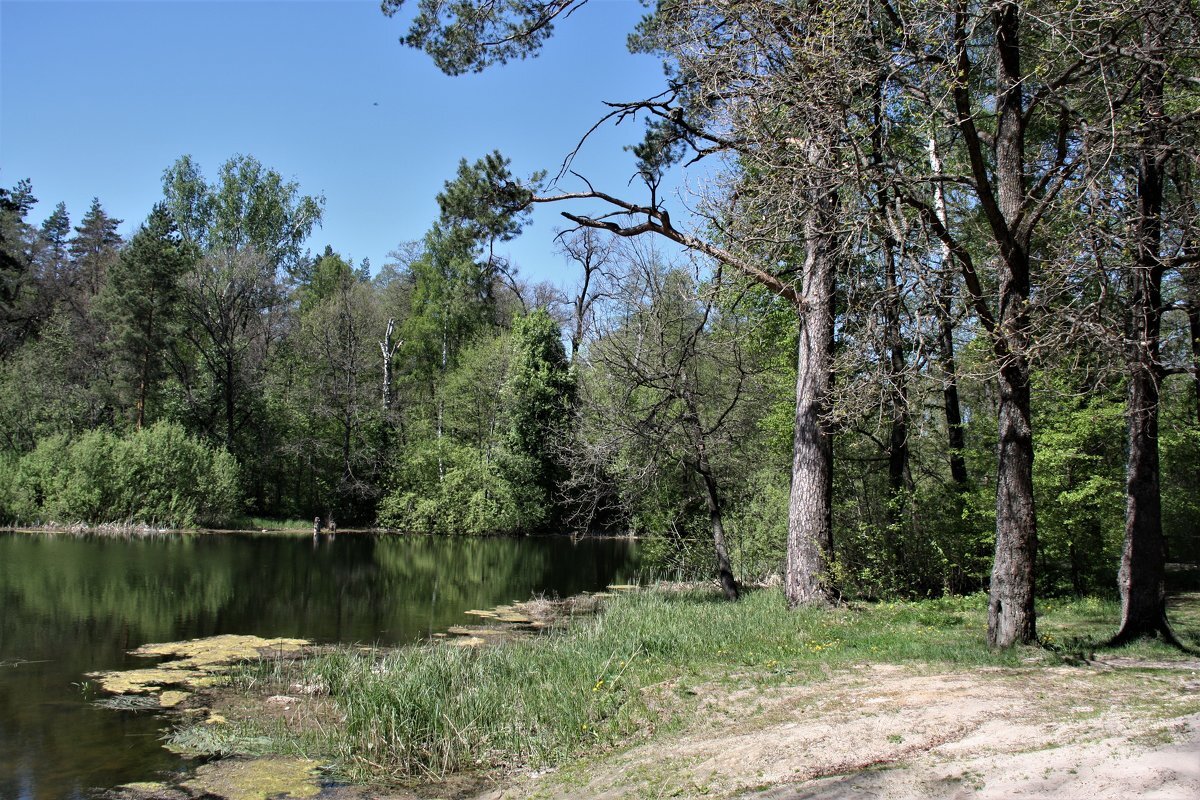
630	673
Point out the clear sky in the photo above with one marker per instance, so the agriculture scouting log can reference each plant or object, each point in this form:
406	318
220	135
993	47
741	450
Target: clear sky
98	98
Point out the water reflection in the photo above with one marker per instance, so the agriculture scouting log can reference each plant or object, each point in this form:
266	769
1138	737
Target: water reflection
74	604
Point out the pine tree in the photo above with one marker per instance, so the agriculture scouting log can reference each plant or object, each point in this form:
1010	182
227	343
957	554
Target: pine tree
93	249
17	290
140	302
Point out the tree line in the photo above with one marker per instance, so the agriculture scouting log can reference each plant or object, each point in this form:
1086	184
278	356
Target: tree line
898	172
934	242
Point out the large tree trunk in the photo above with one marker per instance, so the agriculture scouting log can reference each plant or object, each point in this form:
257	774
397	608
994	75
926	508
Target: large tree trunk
810	506
1143	558
1011	617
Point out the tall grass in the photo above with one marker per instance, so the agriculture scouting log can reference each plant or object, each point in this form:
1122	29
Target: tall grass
434	709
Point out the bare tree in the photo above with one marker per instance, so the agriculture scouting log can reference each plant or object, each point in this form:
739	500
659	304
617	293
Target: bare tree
666	384
592	251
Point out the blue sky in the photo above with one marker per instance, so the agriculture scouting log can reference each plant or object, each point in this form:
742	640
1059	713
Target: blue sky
98	98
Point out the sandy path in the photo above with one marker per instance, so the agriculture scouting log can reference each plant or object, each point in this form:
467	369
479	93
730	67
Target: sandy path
1100	731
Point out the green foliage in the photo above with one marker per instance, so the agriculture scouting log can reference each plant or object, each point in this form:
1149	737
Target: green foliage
158	475
329	275
94	249
539	396
1079	487
468	36
758	527
471	479
1179	448
140	303
18	291
248	207
451	301
485	200
449	488
172	477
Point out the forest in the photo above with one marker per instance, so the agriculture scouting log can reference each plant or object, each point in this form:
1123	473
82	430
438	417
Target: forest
932	325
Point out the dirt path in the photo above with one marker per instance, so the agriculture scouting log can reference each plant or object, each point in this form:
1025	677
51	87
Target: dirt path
1105	730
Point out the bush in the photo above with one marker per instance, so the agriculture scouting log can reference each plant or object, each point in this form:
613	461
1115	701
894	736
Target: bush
172	477
758	527
158	475
453	489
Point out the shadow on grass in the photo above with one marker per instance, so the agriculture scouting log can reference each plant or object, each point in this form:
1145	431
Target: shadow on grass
1180	633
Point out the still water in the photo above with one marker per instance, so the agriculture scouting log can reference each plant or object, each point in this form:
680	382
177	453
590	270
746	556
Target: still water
70	605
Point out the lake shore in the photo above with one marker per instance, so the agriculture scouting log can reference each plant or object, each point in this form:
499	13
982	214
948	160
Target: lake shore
290	527
678	693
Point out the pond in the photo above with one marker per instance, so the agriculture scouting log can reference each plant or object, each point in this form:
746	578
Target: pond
71	604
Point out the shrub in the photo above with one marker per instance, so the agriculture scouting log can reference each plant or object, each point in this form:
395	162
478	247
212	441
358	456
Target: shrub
158	475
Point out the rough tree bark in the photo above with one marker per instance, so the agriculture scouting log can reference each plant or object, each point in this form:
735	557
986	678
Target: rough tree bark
1002	194
810	505
1143	557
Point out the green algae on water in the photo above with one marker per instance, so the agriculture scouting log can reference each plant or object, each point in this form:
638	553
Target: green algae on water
256	779
197	663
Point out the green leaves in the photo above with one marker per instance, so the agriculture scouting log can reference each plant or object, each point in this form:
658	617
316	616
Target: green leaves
158	476
486	200
469	36
247	207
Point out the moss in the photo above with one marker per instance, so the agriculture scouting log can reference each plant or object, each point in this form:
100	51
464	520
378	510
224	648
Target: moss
196	663
150	681
475	630
257	779
218	651
468	641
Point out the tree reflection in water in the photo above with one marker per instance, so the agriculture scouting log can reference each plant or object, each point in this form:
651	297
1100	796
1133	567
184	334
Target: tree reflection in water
75	604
